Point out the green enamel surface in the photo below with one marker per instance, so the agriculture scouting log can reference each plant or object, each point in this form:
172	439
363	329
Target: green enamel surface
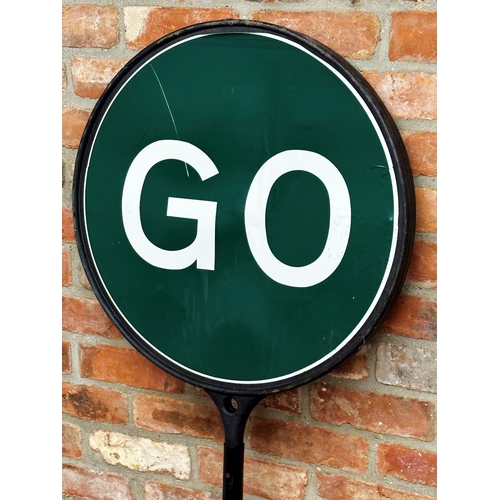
241	99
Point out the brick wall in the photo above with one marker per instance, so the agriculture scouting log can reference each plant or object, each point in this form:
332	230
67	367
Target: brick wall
367	430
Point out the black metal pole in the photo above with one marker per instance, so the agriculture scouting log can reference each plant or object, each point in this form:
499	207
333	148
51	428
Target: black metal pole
234	411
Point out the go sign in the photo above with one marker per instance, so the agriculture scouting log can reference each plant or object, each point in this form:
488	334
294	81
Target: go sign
244	206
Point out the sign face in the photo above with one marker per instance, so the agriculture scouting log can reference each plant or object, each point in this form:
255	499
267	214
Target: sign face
243	206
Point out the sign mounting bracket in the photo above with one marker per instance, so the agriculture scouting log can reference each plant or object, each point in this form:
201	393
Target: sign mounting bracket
234	411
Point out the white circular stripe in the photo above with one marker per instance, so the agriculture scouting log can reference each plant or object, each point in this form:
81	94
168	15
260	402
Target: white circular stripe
395	221
339	225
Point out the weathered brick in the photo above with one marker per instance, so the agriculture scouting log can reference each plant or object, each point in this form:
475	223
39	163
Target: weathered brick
263	479
384	414
142	454
126	366
89	26
94	403
406	366
350	34
174	417
422	152
73	125
426	203
159	491
91	485
423	264
406	95
407	463
413	317
71	440
309	444
66	357
413	36
66	267
87	316
91	76
68	229
355	368
342	488
144	25
288	401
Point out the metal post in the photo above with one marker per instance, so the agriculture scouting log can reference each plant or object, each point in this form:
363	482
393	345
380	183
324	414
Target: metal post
234	411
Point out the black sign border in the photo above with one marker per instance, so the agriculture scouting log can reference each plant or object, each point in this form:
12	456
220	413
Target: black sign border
404	183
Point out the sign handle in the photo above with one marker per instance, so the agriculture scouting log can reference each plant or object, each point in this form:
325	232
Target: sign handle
234	411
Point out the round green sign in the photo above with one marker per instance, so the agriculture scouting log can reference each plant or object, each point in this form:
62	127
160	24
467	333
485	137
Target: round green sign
243	206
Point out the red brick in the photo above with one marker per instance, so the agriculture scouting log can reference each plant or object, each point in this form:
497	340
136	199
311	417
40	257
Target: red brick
71	440
66	357
407	463
406	95
413	317
309	444
200	392
384	414
158	491
90	485
144	25
89	26
66	267
73	125
263	479
288	401
355	368
422	151
423	264
350	34
91	76
84	281
126	366
68	229
94	403
426	202
413	36
87	316
174	417
343	488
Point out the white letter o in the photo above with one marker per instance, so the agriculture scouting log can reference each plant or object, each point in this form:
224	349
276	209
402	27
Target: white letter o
339	226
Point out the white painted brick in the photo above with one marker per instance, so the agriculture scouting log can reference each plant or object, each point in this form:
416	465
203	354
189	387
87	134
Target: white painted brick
142	454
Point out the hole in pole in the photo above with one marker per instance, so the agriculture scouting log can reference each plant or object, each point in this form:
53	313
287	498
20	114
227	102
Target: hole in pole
231	405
